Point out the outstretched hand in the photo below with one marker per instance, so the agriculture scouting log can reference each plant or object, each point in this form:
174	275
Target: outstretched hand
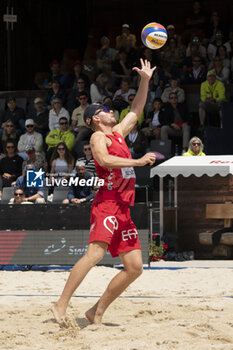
146	71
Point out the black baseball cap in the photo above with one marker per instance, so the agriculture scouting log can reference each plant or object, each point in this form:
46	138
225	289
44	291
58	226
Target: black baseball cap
90	111
10	99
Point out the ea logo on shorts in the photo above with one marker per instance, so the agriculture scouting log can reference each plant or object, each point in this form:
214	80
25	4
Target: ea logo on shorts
111	223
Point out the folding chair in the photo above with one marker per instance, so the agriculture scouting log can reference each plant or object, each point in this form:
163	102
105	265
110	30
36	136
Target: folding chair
59	194
2	104
144	184
7	194
22	103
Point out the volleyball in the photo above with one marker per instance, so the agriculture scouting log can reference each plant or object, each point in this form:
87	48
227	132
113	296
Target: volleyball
154	36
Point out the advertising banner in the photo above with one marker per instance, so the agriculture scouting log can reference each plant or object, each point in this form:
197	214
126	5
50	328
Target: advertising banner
53	247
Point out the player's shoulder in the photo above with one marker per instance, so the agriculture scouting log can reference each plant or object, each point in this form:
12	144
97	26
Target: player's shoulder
97	136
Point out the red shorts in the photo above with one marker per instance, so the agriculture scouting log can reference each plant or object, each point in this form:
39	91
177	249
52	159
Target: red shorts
111	223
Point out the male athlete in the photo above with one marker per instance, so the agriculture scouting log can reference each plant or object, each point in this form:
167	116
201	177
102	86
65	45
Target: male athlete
111	225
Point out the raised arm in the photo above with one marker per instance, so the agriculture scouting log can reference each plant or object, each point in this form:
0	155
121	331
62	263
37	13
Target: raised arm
131	118
99	147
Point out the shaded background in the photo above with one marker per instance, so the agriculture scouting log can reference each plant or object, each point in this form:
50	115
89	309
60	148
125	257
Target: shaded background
65	30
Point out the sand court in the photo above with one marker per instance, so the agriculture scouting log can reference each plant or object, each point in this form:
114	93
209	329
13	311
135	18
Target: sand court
188	306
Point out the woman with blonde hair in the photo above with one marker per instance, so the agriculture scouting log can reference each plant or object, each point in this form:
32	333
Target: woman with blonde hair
195	147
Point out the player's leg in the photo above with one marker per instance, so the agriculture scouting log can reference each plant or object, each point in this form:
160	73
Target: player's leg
132	262
95	253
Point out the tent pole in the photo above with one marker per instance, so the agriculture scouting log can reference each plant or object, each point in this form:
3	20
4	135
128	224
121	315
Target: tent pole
175	201
161	204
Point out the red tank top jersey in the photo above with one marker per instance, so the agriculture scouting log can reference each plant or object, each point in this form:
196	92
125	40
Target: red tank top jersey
119	184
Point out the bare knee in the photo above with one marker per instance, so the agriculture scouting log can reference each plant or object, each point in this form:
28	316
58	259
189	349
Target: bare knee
65	201
95	252
135	270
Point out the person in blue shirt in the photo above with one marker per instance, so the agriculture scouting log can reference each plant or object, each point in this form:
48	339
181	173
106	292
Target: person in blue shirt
77	193
32	194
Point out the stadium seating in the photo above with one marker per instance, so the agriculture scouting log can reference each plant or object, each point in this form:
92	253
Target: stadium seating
59	194
144	184
22	103
7	194
2	104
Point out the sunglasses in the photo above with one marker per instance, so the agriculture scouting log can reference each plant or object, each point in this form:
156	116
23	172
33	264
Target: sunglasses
173	97
65	123
196	144
18	194
61	149
29	126
82	98
10	147
9	126
80	82
131	99
87	149
101	109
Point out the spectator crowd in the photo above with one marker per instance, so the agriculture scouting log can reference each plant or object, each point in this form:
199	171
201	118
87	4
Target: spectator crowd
50	133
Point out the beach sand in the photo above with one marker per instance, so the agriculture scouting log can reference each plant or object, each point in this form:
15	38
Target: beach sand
190	308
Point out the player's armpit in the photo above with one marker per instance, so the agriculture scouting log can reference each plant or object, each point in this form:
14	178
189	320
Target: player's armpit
127	124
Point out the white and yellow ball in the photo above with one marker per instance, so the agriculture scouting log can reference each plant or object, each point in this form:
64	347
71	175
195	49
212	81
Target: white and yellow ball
154	36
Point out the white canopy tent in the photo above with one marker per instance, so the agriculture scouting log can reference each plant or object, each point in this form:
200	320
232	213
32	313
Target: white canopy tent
186	166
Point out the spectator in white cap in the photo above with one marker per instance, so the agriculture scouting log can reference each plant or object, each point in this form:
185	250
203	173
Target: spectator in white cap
30	138
121	40
40	115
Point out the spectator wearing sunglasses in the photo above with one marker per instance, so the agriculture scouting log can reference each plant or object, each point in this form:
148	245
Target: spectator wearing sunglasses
176	121
30	138
73	97
19	197
62	161
15	114
174	87
9	134
38	160
88	159
56	91
195	147
10	166
196	74
63	134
